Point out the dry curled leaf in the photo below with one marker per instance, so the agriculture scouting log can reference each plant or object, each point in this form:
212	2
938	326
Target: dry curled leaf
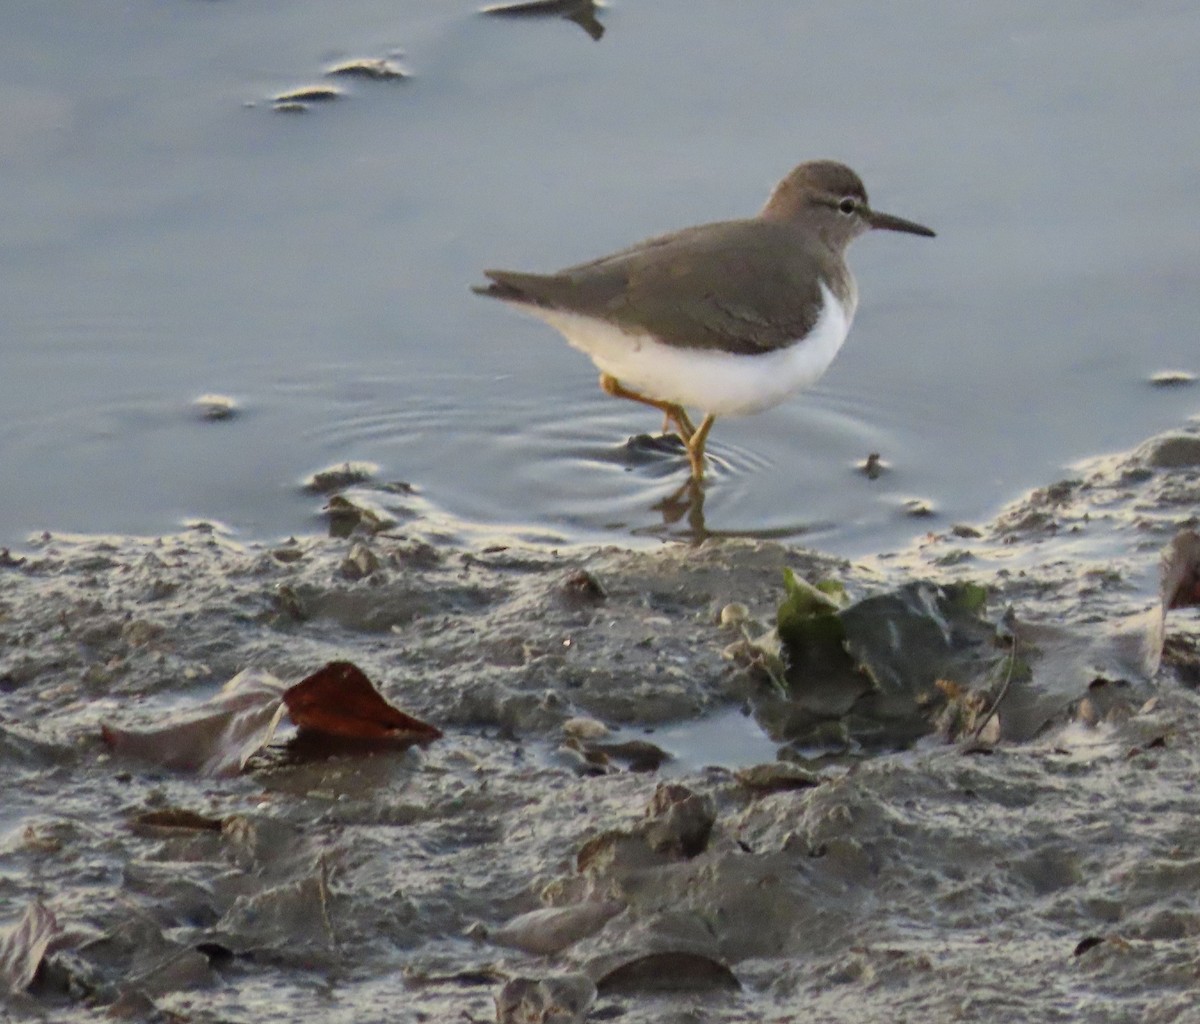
216	738
552	929
340	701
23	944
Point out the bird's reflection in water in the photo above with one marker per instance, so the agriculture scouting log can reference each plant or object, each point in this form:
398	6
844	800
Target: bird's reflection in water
685	505
582	12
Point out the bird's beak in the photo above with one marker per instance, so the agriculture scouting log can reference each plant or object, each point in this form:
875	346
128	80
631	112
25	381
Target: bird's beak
886	222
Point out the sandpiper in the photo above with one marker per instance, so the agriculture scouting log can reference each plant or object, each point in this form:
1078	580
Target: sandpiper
729	318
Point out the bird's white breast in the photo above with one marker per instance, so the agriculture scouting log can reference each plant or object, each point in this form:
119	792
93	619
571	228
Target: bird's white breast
720	383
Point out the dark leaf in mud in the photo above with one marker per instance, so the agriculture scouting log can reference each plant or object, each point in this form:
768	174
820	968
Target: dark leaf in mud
176	818
340	701
667	972
23	944
871	667
215	738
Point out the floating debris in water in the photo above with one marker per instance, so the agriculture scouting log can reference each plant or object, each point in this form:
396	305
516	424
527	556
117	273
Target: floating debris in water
1172	379
582	12
215	407
310	94
298	101
873	466
372	68
918	508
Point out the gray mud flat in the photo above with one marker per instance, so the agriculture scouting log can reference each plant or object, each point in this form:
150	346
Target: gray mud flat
1055	879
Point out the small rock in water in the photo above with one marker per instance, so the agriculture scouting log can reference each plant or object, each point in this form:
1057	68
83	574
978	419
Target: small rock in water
873	467
371	68
918	508
1174	451
360	563
335	478
345	517
215	407
1172	379
308	94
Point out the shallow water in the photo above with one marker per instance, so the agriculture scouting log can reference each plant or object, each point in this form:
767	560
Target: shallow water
168	234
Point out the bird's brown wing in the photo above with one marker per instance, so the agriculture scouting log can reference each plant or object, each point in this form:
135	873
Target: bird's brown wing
740	286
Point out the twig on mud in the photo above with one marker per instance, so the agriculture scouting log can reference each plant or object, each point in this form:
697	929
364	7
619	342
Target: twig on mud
323	891
991	712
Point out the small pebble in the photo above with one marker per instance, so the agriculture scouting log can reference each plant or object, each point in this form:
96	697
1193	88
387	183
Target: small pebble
374	69
215	407
1172	379
309	94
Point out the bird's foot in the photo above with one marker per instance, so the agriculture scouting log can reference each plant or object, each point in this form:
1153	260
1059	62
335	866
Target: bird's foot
695	446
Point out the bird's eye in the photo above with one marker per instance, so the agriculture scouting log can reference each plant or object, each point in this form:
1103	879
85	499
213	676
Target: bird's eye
848	205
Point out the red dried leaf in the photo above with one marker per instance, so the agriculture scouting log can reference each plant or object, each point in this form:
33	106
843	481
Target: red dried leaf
340	701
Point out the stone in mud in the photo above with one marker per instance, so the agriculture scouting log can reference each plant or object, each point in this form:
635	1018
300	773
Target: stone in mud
582	587
777	777
1173	451
564	999
360	563
679	821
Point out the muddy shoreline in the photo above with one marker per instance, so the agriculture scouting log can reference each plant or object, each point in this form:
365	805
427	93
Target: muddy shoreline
1050	879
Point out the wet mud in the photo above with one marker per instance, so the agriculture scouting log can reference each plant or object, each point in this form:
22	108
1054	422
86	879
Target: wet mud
516	869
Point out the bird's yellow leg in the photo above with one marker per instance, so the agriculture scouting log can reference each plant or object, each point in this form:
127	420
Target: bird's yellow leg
695	446
674	413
